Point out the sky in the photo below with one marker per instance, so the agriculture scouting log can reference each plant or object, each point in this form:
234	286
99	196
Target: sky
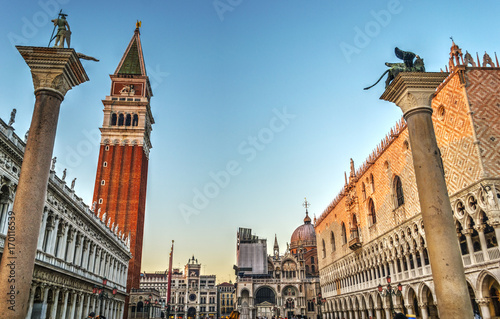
257	104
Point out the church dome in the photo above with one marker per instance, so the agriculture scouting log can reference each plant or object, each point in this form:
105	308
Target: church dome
304	235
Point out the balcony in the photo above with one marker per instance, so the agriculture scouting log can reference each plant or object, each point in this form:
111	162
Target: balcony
354	241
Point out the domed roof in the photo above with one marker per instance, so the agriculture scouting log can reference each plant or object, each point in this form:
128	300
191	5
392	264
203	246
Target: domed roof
304	235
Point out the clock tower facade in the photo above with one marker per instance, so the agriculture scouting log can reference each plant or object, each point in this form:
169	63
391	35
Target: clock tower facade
122	169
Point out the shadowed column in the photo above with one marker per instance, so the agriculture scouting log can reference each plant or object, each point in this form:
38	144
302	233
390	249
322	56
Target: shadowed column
55	71
413	92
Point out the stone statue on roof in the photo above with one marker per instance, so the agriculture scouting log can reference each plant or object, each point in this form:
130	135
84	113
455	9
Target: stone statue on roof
411	63
12	117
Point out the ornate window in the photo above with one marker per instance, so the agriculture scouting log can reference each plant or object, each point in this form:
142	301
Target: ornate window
128	120
113	119
372	216
398	190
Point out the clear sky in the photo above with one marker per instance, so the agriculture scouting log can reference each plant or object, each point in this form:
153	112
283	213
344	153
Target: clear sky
270	93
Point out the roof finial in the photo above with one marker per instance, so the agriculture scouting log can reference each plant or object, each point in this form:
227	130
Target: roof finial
306	204
138	24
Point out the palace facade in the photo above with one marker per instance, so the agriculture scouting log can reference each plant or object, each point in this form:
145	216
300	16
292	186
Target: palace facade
373	229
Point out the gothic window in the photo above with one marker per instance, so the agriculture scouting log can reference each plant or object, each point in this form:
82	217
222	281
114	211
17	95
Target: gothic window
135	121
128	120
121	119
324	250
113	119
344	235
371	212
312	260
363	190
398	190
332	241
372	182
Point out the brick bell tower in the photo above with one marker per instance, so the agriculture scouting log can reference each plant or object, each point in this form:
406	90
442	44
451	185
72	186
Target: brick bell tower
122	169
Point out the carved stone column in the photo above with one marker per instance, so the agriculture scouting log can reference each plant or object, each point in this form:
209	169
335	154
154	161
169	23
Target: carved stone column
64	310
55	71
423	310
53	312
480	230
468	238
413	92
485	309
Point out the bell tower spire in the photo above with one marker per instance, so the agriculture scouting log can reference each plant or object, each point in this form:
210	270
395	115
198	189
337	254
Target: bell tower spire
122	171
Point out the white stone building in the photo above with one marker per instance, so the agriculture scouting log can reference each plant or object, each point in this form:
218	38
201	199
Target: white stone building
76	249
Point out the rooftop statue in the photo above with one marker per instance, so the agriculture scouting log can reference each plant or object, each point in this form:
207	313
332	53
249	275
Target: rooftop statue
411	63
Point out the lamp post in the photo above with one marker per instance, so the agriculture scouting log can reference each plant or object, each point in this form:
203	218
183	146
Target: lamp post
319	301
148	303
389	292
102	294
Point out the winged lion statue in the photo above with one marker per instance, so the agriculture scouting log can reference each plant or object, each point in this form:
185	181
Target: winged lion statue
411	63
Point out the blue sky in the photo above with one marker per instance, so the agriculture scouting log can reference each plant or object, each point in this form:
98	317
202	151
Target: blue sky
271	92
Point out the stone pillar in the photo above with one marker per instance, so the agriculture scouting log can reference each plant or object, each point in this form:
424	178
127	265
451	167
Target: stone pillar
64	242
378	313
52	240
54	72
42	231
73	305
88	299
485	309
412	92
80	308
53	313
408	264
482	240
65	304
470	247
44	302
91	258
422	259
387	312
497	230
415	263
423	310
30	302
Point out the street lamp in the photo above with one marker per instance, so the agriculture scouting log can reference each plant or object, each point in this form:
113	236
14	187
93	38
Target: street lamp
102	294
319	301
389	292
148	303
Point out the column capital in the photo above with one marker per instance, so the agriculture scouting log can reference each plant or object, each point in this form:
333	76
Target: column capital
53	69
483	301
413	90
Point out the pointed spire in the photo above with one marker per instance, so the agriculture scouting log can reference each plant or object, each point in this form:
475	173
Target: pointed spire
132	62
275	242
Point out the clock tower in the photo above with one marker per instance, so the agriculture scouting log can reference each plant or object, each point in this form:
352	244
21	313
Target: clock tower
122	169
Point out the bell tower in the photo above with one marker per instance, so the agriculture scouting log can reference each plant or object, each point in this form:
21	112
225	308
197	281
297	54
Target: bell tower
122	169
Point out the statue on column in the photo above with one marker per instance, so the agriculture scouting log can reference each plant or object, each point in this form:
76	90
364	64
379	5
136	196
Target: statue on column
411	63
63	31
